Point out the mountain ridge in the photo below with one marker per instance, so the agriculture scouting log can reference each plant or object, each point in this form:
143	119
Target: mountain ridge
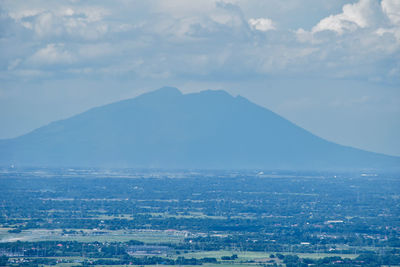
167	129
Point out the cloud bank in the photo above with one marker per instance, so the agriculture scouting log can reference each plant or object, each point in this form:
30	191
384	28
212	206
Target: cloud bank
202	39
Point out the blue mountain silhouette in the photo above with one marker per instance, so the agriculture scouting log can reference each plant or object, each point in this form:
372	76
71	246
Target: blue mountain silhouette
168	129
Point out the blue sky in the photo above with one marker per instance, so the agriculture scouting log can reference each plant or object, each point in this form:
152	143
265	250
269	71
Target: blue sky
330	66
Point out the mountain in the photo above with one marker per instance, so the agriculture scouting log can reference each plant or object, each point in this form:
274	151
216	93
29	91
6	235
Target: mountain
168	129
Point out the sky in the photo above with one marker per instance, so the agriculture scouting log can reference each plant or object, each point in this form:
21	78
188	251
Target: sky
330	66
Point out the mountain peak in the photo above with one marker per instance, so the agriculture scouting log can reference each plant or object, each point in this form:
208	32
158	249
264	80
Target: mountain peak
215	92
168	90
163	93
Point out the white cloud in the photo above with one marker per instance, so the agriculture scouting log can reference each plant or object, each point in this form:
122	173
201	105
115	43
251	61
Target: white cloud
52	54
359	15
25	13
204	38
262	24
357	40
85	22
392	10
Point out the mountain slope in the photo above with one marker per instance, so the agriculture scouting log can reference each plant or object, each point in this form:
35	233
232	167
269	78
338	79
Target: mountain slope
166	129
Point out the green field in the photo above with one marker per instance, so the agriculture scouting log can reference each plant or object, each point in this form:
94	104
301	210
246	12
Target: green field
91	236
253	255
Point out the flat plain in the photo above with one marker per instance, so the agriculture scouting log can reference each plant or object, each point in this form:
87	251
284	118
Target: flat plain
212	218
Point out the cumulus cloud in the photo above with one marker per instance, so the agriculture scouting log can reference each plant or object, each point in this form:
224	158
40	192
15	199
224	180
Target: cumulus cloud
359	15
352	42
378	18
262	24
